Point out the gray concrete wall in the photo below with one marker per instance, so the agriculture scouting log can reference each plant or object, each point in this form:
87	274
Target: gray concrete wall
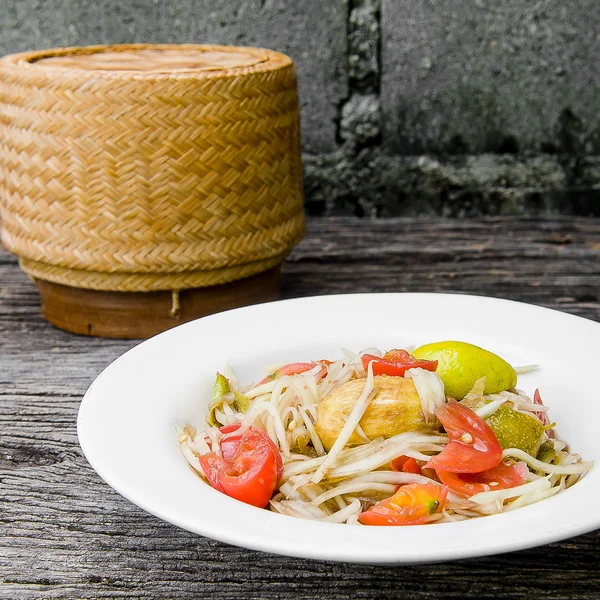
486	76
455	107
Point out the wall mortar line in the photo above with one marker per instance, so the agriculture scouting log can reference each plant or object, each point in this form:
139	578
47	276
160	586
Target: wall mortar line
360	112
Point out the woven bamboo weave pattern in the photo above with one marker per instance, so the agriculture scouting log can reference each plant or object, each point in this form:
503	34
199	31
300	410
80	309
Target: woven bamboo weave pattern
179	167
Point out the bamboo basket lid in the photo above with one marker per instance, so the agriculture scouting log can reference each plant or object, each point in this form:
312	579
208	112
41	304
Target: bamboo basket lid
149	168
155	60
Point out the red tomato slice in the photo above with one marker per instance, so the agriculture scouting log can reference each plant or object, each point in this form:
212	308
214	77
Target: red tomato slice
234	440
231	443
406	464
267	440
456	483
473	448
505	475
296	369
412	504
230	428
212	465
411	466
325	362
542	415
396	363
252	474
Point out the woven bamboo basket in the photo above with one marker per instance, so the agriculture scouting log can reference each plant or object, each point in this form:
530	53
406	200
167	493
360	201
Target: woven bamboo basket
145	185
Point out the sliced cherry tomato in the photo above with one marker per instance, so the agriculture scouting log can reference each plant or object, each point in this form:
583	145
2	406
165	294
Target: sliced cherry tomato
293	369
296	369
396	363
231	443
473	447
230	428
325	362
212	464
456	483
541	415
507	474
406	464
412	504
252	474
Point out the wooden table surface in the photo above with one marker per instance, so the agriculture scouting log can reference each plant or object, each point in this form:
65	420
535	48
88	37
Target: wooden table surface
65	534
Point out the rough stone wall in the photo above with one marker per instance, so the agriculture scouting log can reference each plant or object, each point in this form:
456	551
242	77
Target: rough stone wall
453	107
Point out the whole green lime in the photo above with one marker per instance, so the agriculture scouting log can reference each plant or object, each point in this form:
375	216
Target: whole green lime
461	364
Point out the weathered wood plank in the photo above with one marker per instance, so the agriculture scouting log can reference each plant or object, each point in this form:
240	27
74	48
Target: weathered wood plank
66	534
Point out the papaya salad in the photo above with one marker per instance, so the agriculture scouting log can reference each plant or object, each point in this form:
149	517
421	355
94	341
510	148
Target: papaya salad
396	438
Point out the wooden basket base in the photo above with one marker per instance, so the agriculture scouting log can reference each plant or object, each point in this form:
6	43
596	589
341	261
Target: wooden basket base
131	315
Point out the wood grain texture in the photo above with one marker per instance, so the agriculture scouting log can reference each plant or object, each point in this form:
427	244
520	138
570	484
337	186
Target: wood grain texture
65	534
131	315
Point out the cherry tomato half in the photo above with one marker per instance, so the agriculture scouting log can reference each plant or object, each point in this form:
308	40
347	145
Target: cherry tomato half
412	504
473	448
252	474
505	475
406	464
396	363
296	369
231	443
542	415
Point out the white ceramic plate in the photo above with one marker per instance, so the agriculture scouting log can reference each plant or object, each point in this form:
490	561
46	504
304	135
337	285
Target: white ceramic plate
127	419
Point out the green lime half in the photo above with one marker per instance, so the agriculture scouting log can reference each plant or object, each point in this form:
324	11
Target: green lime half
516	430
